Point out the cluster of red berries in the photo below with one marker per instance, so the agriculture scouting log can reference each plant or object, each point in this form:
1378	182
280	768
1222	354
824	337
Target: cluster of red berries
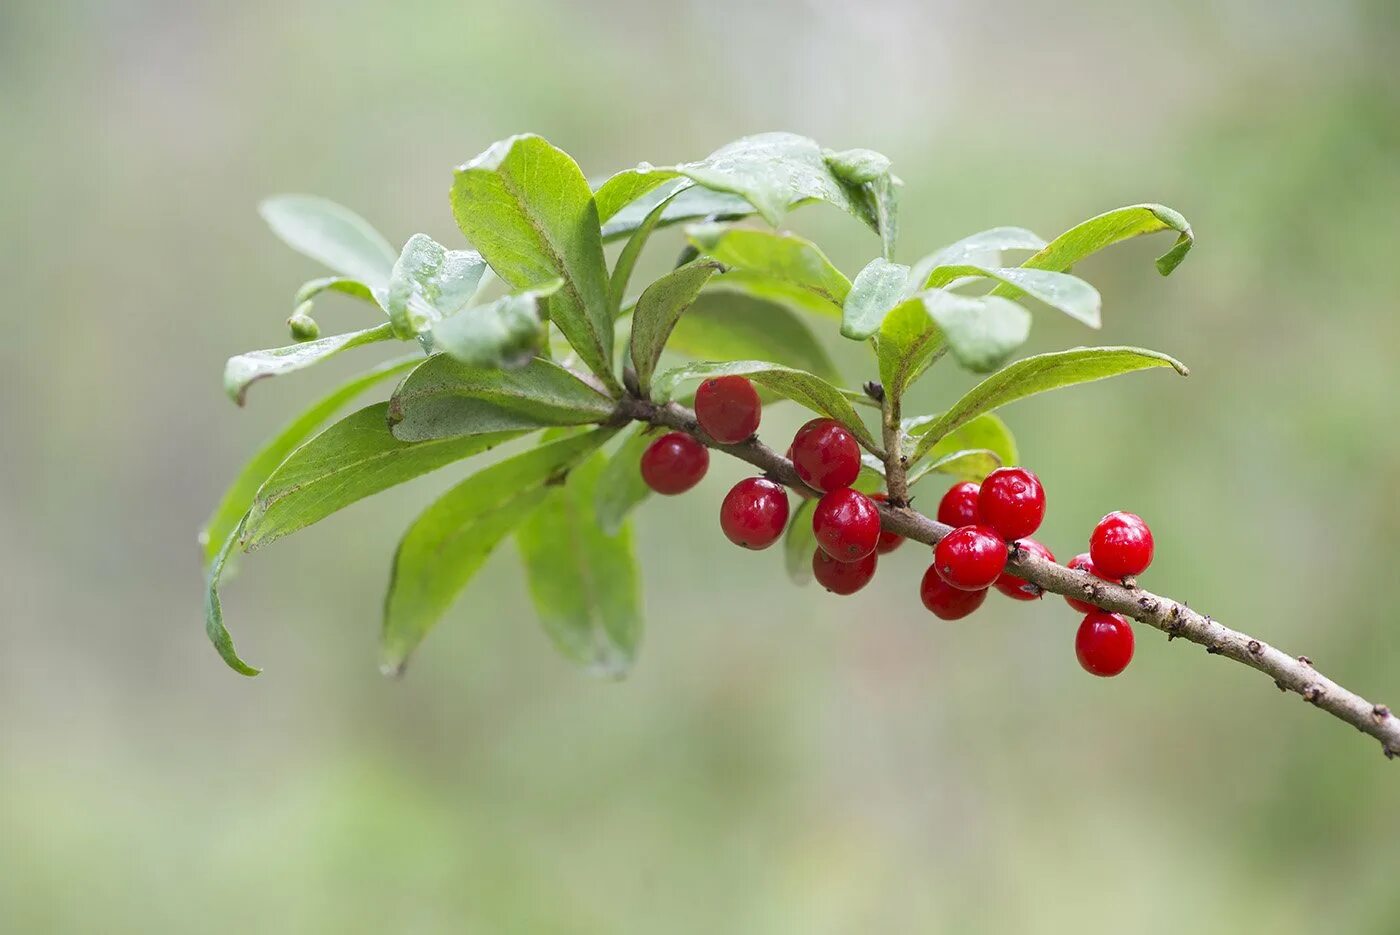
1006	508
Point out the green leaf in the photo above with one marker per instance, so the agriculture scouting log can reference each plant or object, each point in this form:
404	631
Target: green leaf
1038	374
239	495
351	460
684	201
878	288
1108	229
450	540
620	485
583	581
979	331
983	247
332	235
731	326
445	398
1069	294
214	611
858	166
632	250
774	265
800	542
527	207
626	187
242	371
351	287
657	311
504	334
797	385
986	433
429	283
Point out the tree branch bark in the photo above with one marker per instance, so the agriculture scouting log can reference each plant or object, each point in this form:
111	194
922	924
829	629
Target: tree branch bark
1290	673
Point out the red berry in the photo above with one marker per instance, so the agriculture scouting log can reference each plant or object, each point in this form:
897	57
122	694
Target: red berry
1082	562
754	513
825	455
674	463
889	541
1012	502
1121	546
842	577
959	505
846	524
1104	643
946	601
970	557
728	409
1020	588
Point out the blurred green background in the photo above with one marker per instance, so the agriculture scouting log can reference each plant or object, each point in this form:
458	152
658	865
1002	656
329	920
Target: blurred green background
780	760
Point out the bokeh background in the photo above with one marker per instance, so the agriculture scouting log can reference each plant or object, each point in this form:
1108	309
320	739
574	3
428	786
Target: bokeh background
780	760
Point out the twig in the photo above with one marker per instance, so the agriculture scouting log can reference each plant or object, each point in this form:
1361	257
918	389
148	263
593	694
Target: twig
1289	673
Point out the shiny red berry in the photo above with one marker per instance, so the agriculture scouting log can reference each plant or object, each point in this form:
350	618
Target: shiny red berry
754	513
728	409
1121	546
1019	588
825	455
846	524
889	541
842	577
1082	562
1012	502
674	463
945	601
970	557
959	505
1104	643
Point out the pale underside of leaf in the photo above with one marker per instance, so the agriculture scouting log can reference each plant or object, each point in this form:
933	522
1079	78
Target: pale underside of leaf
332	235
244	370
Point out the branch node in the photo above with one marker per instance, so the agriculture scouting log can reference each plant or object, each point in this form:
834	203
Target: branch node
1255	647
1313	693
1148	604
875	390
1305	660
1213	650
1380	712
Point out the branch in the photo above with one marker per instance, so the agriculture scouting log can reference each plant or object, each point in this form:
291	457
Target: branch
1290	673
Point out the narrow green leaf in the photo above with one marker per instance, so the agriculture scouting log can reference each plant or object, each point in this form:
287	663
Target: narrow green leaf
632	250
1069	294
239	496
332	235
504	334
797	385
351	460
732	326
800	542
987	432
214	610
1107	229
983	247
1038	374
858	166
351	287
908	343
878	288
429	283
527	207
625	187
242	371
444	398
774	265
966	464
657	311
620	485
451	539
981	331
684	201
583	581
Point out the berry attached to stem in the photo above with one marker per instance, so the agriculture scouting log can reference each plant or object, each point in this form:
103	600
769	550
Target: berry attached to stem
1012	502
1121	546
826	455
970	558
842	577
959	505
847	525
1104	643
754	513
889	541
1019	588
728	409
945	601
1082	562
674	463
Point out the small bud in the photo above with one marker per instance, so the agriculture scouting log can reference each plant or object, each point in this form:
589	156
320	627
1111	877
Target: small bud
303	326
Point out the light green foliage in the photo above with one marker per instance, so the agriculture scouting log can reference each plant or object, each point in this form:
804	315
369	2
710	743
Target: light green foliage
526	206
583	580
778	266
214	611
444	397
657	311
351	287
632	250
505	333
877	289
449	540
684	201
351	460
1110	228
1070	294
244	370
329	234
799	542
733	326
430	283
620	486
982	247
970	452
